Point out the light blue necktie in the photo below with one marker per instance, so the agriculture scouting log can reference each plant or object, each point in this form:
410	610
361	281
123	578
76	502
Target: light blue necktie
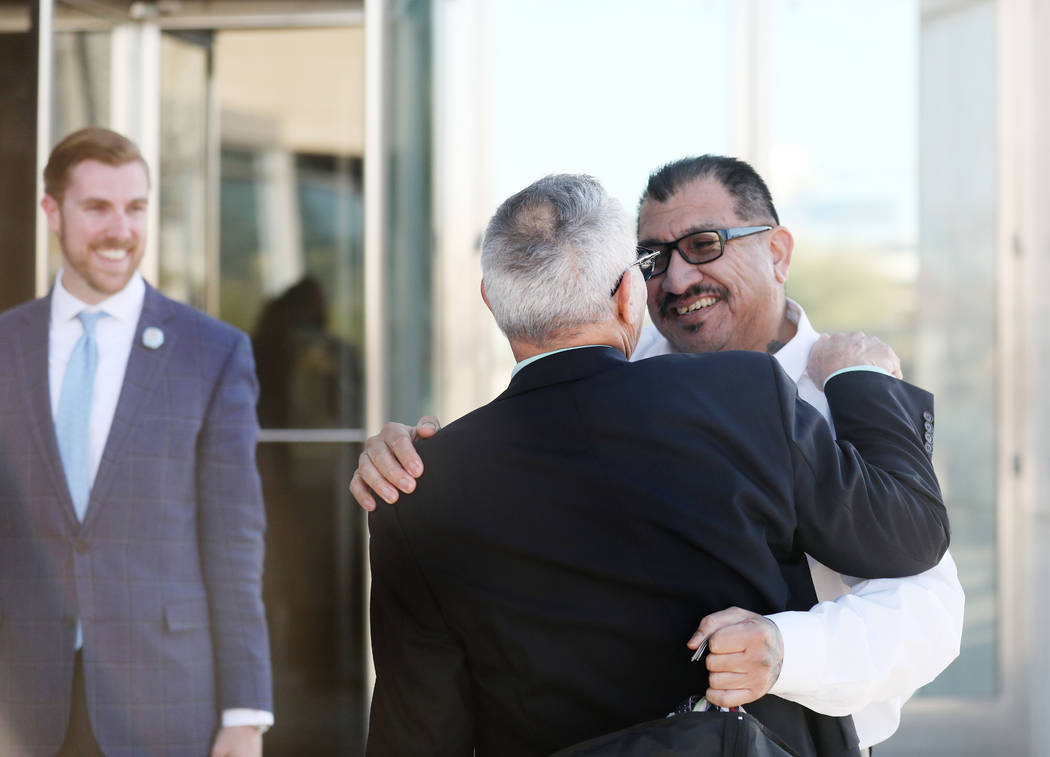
73	424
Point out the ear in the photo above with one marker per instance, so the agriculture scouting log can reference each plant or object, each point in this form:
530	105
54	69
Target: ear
623	299
781	243
484	296
53	213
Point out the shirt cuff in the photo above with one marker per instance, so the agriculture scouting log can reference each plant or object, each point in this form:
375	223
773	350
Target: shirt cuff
238	716
803	659
873	368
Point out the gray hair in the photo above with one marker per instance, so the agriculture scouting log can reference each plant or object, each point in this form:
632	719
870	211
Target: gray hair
550	255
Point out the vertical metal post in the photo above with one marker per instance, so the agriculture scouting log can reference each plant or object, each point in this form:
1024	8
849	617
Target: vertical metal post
375	212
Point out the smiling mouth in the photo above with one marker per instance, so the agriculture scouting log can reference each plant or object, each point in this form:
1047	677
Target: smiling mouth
683	304
703	302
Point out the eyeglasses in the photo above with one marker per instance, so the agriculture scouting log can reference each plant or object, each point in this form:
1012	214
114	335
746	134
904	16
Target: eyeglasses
645	262
697	247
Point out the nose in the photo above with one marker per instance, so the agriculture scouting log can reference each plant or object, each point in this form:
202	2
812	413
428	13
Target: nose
680	275
119	225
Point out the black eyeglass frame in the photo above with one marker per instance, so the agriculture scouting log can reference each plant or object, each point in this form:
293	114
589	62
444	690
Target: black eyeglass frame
645	256
724	235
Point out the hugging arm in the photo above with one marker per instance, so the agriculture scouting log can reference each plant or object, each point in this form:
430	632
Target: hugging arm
868	504
878	643
390	464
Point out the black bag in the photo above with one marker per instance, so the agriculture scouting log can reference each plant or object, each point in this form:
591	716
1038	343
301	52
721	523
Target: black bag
713	733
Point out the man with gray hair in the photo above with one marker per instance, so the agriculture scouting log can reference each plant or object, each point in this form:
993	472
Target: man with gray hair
538	586
719	283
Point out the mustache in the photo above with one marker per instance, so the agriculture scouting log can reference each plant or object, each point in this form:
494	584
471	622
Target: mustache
670	300
114	243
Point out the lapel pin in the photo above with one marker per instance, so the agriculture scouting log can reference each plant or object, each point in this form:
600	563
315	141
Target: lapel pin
153	337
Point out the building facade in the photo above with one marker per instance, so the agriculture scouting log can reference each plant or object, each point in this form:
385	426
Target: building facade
323	171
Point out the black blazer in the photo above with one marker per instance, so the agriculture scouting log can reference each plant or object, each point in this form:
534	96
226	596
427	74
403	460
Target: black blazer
564	541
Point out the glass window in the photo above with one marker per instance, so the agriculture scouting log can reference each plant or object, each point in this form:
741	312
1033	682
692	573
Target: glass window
844	161
81	91
315	594
183	176
290	274
291	229
409	232
957	322
887	242
613	89
81	71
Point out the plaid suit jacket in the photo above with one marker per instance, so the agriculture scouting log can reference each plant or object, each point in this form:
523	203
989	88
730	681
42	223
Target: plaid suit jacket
164	572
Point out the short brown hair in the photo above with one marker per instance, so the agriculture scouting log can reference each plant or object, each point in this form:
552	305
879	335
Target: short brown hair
92	143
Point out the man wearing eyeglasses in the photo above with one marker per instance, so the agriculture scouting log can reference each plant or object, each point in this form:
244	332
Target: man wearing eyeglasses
719	284
537	588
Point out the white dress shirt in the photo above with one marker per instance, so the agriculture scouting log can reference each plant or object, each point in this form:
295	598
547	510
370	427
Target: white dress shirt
114	336
869	644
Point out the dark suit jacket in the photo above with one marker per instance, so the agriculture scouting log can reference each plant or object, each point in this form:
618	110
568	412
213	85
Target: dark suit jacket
564	541
164	572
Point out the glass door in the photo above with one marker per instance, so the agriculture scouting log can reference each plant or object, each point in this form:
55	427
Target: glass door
290	273
252	124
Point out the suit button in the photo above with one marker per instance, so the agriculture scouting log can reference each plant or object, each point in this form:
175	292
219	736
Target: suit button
928	426
929	437
82	547
927	416
928	448
69	621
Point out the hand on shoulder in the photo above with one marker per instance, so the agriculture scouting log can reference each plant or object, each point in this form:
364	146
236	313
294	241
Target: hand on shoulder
833	352
390	463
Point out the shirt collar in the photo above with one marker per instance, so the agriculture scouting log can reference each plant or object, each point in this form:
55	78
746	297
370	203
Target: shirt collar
794	355
125	305
534	358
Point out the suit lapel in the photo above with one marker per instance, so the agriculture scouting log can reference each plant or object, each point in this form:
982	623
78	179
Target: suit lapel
34	381
145	367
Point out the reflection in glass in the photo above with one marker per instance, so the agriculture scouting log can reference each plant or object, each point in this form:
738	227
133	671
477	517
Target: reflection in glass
409	231
241	295
81	92
290	274
308	377
183	177
315	598
307	334
957	353
894	215
81	81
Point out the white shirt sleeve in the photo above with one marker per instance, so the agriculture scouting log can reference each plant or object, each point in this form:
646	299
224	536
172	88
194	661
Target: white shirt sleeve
879	642
237	716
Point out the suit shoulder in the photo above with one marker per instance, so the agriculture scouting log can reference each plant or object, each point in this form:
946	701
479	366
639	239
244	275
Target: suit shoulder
464	430
740	364
455	450
206	326
27	310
